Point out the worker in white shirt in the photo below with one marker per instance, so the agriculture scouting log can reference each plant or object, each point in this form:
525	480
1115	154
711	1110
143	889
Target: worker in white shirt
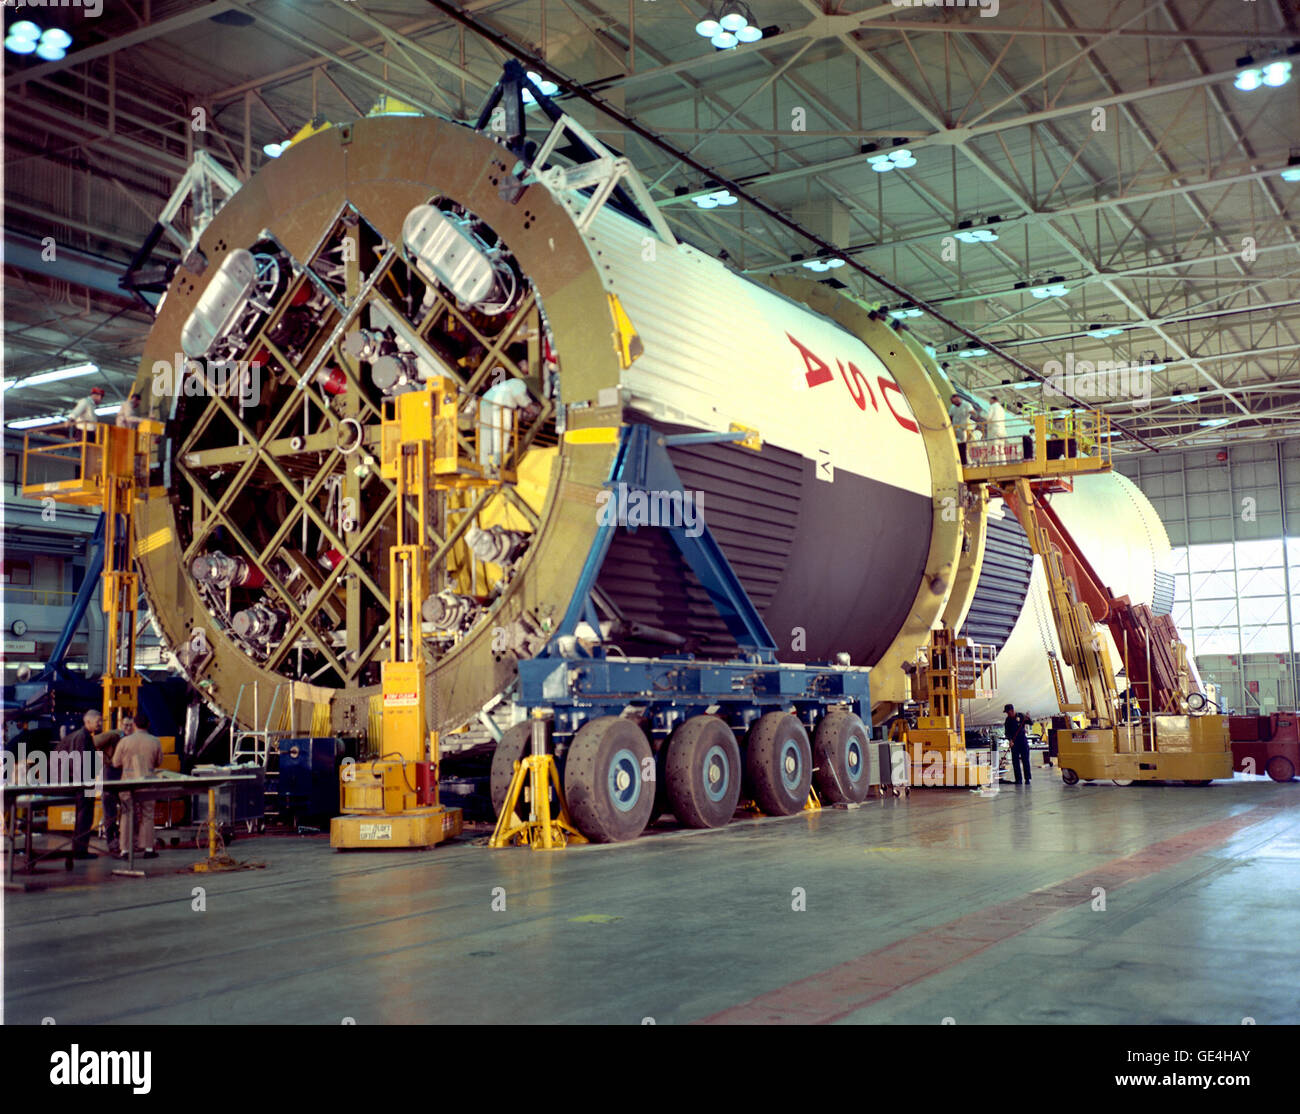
129	415
83	415
960	413
497	415
995	429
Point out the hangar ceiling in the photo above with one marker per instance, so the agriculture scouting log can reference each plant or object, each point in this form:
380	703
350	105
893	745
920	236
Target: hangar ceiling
1110	142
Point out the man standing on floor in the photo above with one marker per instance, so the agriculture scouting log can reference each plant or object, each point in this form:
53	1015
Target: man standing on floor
1015	731
82	744
138	755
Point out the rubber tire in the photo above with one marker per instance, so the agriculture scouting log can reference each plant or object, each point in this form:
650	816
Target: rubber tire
1282	765
832	749
685	772
764	768
1069	777
1198	784
587	771
515	744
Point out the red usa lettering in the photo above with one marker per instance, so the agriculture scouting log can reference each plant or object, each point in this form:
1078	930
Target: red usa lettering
817	372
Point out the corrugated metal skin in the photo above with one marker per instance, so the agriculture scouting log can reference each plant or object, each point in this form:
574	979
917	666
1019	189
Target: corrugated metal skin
1162	596
1003	583
752	507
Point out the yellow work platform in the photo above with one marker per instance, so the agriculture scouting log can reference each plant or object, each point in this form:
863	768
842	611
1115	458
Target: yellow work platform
1068	443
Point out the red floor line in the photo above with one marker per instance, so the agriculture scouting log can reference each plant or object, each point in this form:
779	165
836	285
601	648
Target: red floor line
839	991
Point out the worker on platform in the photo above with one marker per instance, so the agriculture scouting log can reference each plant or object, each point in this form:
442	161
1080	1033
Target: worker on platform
995	429
83	415
129	415
138	755
82	743
1014	727
960	414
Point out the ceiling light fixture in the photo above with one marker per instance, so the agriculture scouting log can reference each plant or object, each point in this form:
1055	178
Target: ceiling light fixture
823	264
24	37
713	200
1054	288
36	423
728	24
905	311
969	353
971	235
1291	172
1251	77
898	159
548	88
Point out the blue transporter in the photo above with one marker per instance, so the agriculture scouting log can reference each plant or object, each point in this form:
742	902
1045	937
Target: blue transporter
634	737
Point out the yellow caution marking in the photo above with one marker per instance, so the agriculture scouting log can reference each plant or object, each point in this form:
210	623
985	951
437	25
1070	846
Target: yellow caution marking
627	344
752	441
596	435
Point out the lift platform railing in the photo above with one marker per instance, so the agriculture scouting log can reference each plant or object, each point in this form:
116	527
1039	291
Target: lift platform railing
475	442
1061	443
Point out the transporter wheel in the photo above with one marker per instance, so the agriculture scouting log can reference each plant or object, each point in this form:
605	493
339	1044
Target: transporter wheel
778	762
1280	768
840	757
608	795
515	744
702	773
1121	781
1069	777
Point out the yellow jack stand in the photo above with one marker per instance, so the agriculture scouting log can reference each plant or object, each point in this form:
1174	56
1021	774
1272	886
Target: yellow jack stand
539	771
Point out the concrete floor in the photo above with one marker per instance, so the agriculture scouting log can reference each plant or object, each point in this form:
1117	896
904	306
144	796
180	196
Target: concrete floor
941	905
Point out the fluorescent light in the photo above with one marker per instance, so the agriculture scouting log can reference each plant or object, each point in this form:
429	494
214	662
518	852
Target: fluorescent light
1026	385
49	52
733	21
750	34
724	40
58	37
19	46
1182	398
25	29
976	235
1050	290
108	409
906	311
1101	332
36	423
1211	422
1248	80
708	28
969	353
50	376
1291	174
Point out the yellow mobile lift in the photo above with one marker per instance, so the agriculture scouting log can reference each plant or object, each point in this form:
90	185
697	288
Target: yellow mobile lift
392	801
109	468
1163	741
946	671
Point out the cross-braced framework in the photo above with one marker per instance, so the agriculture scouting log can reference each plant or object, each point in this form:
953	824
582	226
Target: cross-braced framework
1123	158
284	512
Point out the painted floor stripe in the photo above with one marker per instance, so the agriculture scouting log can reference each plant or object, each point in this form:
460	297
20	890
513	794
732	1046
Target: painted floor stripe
838	992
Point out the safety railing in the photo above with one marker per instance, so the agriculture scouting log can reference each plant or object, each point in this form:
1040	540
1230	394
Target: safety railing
1060	443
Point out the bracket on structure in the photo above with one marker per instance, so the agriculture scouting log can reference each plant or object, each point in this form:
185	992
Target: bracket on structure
199	185
591	165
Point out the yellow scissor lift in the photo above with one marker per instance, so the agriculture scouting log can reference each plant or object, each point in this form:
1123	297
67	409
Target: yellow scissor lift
947	671
97	465
1164	742
392	800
